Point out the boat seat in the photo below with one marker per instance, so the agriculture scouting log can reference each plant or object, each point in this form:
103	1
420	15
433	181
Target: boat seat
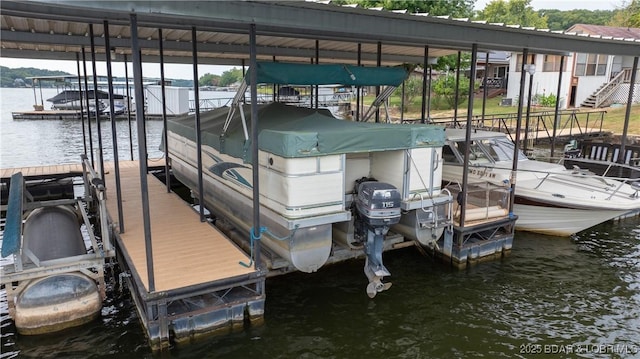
482	213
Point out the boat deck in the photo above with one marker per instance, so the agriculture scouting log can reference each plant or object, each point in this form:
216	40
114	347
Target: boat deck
185	251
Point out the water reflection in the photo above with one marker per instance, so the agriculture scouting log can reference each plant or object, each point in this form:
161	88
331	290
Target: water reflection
580	293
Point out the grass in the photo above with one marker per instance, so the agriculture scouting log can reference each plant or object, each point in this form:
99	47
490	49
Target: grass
613	119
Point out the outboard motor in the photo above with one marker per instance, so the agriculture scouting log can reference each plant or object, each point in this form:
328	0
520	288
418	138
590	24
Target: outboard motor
377	207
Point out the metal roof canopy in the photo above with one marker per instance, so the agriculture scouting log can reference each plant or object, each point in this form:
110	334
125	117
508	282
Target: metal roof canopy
286	30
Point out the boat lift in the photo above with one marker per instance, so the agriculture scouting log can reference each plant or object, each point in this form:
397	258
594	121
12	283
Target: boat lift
27	267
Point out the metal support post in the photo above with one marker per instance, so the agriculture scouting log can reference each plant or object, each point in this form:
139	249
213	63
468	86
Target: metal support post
423	118
114	135
142	148
516	147
95	98
165	136
556	117
457	90
194	41
86	98
126	80
627	115
465	172
486	88
84	133
253	76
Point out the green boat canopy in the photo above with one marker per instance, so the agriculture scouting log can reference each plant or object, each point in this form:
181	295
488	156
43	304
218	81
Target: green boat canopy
328	74
290	131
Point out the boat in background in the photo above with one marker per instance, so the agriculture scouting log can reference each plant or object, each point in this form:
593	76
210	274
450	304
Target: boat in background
321	178
549	198
76	100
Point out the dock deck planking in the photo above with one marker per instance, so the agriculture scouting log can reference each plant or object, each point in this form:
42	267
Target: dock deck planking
70	168
185	251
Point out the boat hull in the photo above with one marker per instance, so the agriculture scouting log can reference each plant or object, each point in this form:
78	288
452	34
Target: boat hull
306	247
424	226
561	222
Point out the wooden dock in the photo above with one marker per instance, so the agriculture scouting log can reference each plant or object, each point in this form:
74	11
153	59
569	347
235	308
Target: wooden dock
198	273
181	243
49	171
47	115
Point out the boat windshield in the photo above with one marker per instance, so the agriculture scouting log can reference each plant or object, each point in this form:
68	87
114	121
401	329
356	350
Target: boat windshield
482	151
501	149
477	153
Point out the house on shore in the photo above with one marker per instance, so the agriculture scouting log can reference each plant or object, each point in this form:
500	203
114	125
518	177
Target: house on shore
588	79
496	68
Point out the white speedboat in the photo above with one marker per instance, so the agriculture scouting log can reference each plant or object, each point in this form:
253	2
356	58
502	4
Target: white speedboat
311	167
549	198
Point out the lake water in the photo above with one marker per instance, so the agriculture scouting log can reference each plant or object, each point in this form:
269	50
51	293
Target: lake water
550	297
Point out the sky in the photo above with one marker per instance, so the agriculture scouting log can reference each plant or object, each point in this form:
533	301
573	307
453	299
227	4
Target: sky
179	71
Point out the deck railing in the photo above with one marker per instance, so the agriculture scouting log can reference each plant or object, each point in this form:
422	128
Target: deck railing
541	123
327	100
610	88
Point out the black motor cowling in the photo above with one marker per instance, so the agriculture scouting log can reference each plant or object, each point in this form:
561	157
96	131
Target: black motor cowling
377	207
378	203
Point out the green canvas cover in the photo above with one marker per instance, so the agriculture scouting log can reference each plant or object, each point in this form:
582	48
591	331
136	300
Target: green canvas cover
290	131
328	74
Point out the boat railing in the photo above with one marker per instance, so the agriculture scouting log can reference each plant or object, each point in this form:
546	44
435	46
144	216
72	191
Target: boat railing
547	175
607	180
484	201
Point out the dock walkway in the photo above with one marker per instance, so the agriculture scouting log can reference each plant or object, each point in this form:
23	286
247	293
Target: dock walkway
181	243
200	285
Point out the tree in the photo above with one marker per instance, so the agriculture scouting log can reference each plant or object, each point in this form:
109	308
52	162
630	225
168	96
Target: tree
450	62
9	76
562	20
512	12
445	87
627	16
230	77
209	80
454	8
412	88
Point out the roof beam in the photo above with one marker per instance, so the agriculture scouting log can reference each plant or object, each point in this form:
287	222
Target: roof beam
76	40
320	21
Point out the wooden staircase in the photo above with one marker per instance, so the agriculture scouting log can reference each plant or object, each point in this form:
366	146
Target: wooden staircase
602	97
